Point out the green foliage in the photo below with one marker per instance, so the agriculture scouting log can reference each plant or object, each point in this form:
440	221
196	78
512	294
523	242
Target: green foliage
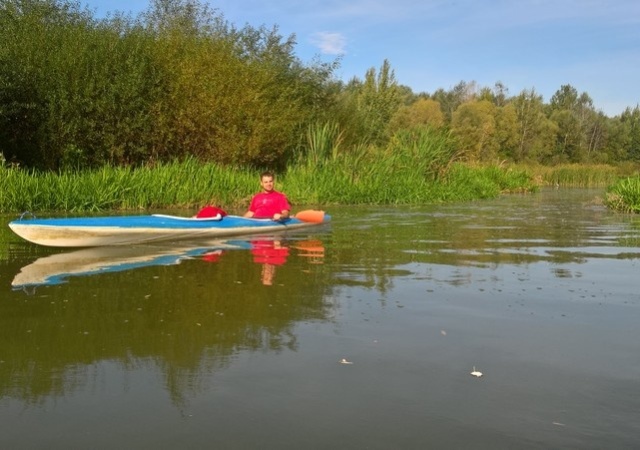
178	81
482	182
624	195
323	143
474	126
419	113
402	173
377	99
575	175
186	184
624	135
422	149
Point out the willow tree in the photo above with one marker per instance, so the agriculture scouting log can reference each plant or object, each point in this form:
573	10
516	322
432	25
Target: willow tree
234	95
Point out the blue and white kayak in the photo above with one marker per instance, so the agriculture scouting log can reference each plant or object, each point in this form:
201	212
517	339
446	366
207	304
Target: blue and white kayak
127	230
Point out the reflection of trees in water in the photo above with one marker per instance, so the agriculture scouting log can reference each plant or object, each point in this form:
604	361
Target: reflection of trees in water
187	320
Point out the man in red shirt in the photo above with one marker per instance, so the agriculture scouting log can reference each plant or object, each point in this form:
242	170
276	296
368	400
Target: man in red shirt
269	204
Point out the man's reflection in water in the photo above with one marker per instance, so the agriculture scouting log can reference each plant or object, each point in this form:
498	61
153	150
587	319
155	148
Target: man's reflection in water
270	254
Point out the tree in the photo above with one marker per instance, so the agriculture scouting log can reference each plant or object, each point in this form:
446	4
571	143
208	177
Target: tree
624	135
576	120
474	126
421	112
451	100
537	134
507	130
378	98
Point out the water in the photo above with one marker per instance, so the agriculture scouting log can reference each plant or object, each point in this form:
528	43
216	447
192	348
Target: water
239	344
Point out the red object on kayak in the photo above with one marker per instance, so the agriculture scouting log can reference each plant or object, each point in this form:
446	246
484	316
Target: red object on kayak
210	211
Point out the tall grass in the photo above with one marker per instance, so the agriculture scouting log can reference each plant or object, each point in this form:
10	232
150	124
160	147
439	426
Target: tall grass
624	195
575	175
363	176
415	168
186	184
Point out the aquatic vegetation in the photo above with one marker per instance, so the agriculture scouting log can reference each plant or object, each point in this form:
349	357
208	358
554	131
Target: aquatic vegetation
624	195
576	175
368	176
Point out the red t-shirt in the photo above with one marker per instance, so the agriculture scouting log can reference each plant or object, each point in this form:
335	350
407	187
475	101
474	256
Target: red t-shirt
265	204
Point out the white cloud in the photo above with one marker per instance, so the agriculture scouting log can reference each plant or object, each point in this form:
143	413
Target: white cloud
330	43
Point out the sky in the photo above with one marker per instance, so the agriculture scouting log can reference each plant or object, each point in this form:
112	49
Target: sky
592	45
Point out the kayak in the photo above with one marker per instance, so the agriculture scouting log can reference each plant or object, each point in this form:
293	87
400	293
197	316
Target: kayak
128	230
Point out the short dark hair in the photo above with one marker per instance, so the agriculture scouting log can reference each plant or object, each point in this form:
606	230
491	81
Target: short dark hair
267	173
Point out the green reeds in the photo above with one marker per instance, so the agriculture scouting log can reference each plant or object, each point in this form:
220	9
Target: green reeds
398	174
576	175
624	195
186	184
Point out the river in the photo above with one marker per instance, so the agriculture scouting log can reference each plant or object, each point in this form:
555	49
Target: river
361	334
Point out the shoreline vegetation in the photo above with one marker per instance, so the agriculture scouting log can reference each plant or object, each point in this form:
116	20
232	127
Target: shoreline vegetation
178	108
191	184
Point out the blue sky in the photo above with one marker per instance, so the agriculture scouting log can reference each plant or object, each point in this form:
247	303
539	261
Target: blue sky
525	44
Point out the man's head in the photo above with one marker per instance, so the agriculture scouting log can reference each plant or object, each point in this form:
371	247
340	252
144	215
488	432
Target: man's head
267	181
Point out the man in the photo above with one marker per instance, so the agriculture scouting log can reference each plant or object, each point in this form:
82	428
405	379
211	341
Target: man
269	204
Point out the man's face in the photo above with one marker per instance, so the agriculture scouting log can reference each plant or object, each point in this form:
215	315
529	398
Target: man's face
267	184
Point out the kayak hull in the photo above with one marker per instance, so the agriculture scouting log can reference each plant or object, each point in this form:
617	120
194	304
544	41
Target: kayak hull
129	230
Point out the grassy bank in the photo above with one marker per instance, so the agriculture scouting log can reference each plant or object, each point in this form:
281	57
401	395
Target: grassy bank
191	184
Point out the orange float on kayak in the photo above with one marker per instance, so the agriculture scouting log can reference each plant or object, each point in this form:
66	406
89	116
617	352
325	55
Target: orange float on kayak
310	215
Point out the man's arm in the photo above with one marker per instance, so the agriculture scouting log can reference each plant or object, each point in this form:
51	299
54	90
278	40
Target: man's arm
282	216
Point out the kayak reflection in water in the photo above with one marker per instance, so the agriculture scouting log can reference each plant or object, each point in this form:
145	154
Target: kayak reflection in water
213	256
270	254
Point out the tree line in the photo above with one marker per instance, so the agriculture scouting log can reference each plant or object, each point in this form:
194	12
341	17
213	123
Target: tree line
179	80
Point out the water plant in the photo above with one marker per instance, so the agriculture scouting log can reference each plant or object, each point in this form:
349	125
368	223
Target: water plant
624	195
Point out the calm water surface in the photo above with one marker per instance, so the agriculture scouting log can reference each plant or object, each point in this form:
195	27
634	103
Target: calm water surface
239	344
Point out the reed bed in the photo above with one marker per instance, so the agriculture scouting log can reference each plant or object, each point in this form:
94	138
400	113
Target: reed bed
351	179
624	195
576	175
185	184
416	167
